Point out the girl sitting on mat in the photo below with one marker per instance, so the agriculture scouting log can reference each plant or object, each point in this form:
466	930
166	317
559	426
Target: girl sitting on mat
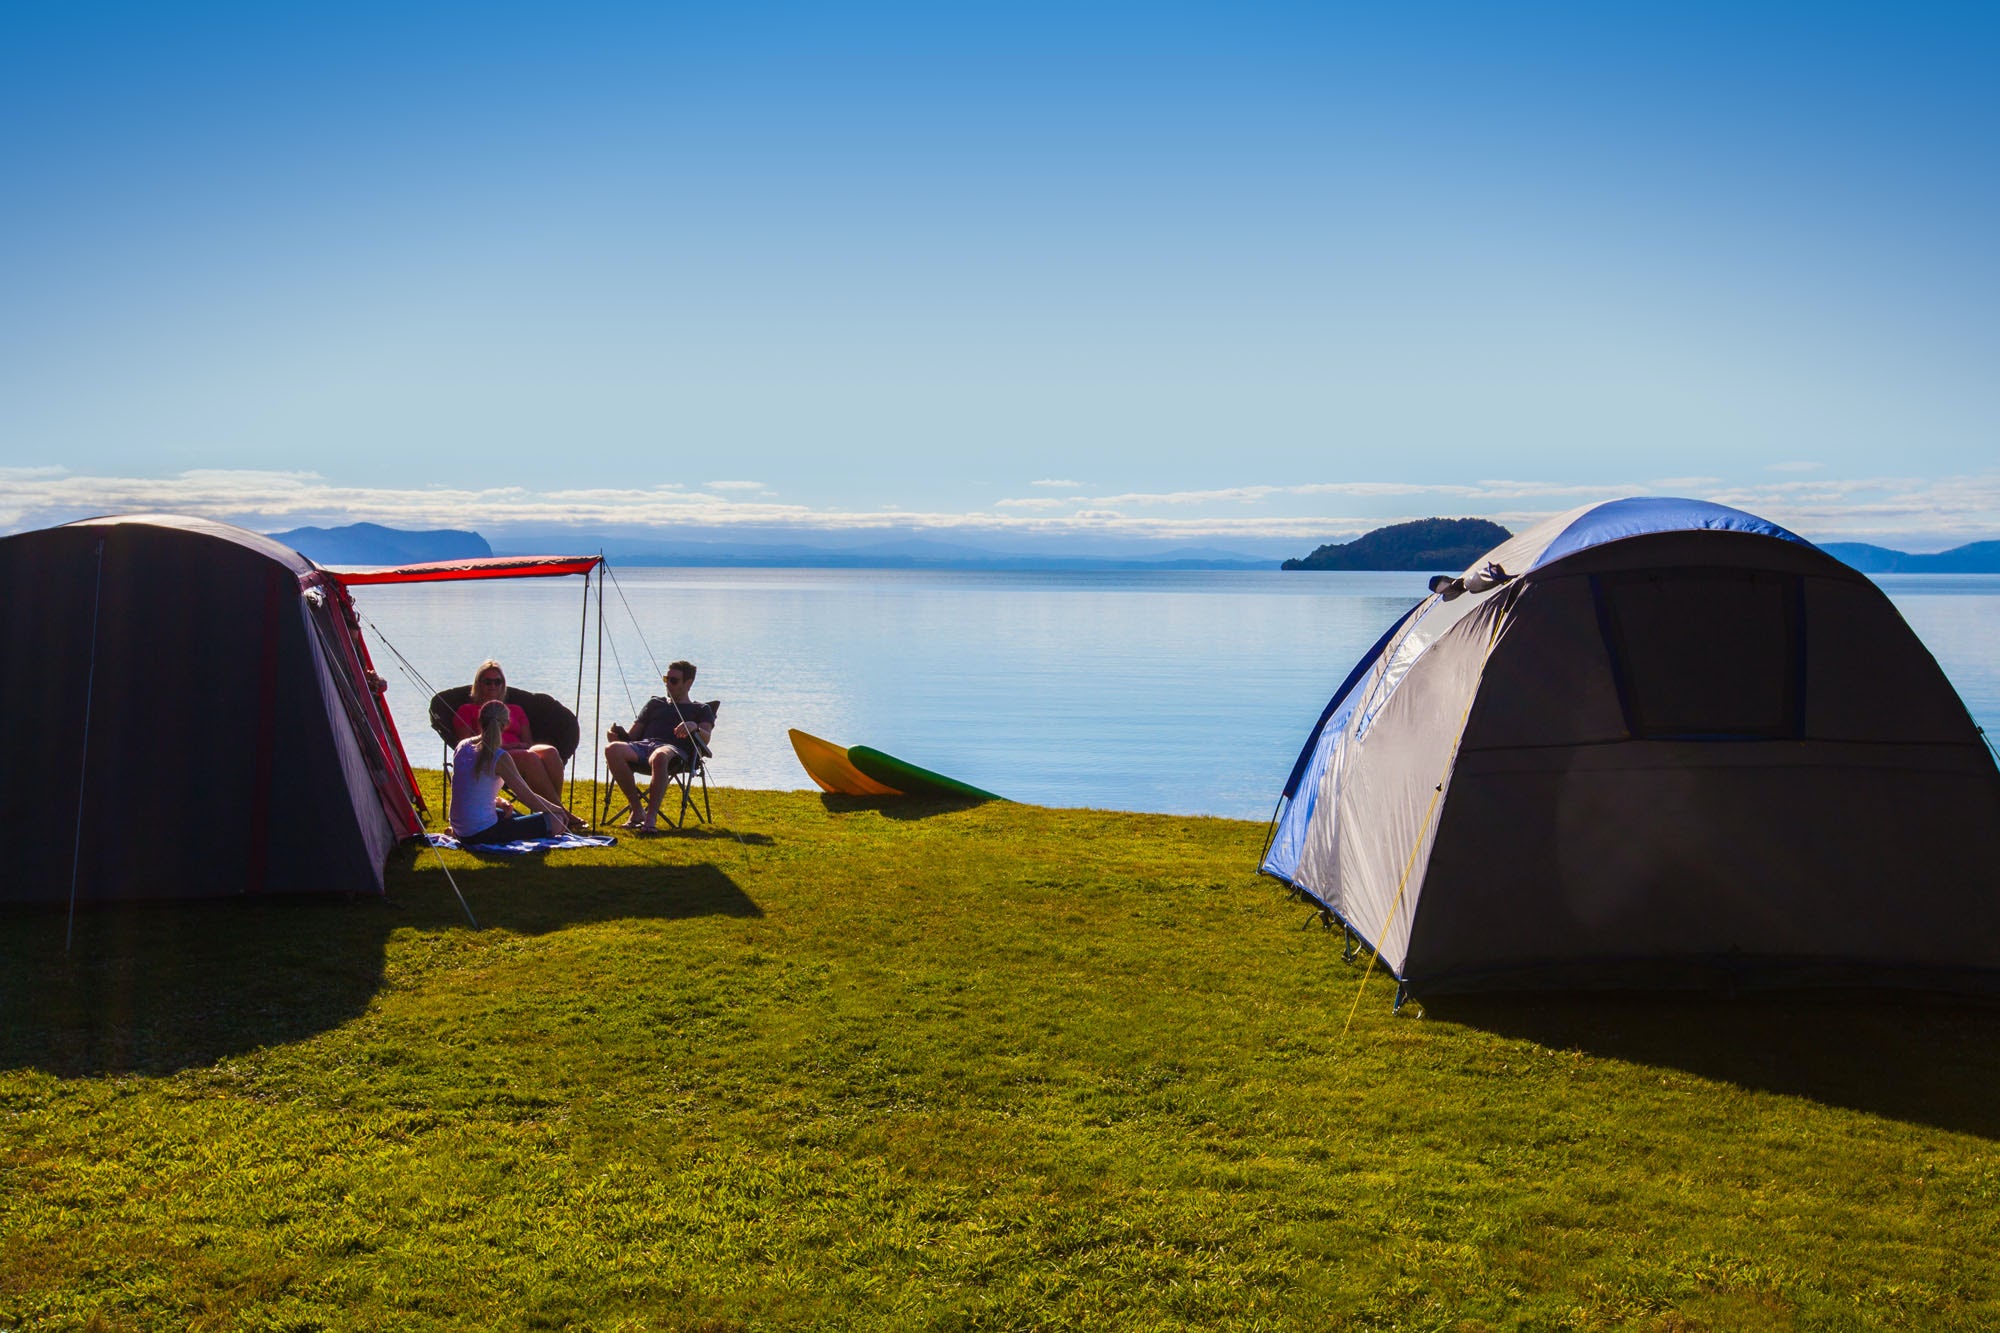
481	765
541	765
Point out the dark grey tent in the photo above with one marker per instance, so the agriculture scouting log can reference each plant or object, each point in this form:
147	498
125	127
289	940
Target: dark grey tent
233	745
1652	742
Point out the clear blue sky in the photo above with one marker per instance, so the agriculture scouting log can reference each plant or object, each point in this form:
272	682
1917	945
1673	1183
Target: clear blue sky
1230	272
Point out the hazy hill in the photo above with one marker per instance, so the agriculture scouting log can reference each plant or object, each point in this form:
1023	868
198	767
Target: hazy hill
1441	545
1972	558
373	544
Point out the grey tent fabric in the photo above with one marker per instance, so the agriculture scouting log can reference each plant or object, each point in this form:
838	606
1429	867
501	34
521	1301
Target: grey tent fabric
1701	752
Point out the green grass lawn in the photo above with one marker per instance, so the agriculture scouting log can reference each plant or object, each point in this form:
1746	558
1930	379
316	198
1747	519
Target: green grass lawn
998	1067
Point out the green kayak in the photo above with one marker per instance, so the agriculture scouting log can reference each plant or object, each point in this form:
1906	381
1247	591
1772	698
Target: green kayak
909	779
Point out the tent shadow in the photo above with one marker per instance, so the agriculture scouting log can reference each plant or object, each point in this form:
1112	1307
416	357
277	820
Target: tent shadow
898	807
1920	1058
533	896
156	988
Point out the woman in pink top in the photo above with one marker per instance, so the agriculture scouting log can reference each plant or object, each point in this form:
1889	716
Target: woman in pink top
541	766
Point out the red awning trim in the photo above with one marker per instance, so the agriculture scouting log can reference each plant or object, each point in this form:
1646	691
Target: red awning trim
496	567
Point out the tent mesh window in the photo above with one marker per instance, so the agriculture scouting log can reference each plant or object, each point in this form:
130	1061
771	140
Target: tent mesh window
1705	654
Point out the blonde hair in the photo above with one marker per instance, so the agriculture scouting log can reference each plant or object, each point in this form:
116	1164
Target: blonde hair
488	665
492	723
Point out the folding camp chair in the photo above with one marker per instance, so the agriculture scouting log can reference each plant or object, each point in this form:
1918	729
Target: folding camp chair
684	778
548	718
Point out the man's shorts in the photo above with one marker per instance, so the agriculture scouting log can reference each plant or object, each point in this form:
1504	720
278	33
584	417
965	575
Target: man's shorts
644	751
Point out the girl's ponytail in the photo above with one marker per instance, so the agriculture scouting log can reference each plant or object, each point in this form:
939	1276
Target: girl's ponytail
492	723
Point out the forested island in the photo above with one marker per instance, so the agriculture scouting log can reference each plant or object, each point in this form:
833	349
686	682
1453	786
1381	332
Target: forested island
1440	545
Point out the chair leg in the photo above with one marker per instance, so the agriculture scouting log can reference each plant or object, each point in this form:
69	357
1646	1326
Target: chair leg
682	778
610	794
687	778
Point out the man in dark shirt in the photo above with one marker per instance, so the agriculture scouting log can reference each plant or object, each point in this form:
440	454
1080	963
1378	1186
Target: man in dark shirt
663	738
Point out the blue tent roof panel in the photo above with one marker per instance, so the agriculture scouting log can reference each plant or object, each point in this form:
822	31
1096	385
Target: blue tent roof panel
1646	515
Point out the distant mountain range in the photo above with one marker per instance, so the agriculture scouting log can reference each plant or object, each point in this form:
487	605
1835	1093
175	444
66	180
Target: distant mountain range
373	544
907	553
1440	545
1972	558
1431	544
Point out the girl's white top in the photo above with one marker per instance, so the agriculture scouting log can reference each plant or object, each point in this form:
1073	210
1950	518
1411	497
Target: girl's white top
473	793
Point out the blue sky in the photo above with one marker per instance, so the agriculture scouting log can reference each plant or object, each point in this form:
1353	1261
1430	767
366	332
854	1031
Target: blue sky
1248	276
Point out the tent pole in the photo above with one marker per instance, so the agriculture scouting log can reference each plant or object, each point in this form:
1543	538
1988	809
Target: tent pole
1271	830
83	766
581	627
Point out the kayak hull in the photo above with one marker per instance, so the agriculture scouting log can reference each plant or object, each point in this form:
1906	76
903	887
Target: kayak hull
857	770
828	765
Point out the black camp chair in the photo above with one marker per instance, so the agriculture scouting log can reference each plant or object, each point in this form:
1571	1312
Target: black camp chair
684	778
550	720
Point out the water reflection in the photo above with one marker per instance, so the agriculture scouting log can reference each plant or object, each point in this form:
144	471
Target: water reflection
1186	691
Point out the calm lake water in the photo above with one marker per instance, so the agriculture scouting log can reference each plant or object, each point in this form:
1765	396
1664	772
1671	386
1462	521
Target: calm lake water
1181	692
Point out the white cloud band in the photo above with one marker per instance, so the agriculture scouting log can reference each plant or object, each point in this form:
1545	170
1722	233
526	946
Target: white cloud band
1939	511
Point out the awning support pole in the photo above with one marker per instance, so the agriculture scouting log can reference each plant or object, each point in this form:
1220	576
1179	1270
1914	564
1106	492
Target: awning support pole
582	628
597	704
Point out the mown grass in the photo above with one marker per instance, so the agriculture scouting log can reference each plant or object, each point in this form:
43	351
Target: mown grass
944	1068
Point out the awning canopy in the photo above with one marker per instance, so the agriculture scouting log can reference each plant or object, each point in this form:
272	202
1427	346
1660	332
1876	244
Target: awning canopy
492	567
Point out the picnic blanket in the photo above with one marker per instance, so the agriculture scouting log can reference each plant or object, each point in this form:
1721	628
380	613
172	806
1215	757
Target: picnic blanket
522	846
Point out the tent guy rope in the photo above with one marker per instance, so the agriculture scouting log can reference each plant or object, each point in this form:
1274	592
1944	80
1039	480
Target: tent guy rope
83	768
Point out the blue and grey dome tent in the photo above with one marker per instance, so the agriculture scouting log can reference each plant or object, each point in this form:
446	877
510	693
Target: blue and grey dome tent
1652	742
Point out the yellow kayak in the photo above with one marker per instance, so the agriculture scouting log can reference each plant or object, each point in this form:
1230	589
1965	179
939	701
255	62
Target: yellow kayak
828	765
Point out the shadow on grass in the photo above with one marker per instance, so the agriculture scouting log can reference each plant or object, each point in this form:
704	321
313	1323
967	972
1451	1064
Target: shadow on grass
695	833
897	807
531	896
160	987
1930	1060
